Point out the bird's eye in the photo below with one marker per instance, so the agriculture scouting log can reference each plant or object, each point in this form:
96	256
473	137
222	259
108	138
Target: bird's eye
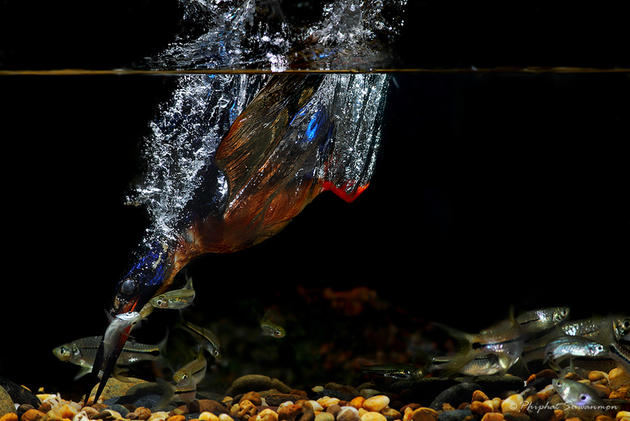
128	287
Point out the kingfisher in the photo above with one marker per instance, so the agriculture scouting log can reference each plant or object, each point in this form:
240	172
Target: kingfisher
278	155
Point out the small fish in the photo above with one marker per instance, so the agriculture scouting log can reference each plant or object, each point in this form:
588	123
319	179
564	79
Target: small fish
177	299
82	352
620	354
477	364
271	325
119	326
573	346
205	336
189	376
577	394
395	371
537	321
621	327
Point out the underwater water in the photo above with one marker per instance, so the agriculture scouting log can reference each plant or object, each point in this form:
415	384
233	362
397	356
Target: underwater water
474	187
491	191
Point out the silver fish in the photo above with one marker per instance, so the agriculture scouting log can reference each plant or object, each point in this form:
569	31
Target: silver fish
621	354
118	328
205	336
573	346
496	358
536	321
577	394
189	376
82	352
177	299
621	327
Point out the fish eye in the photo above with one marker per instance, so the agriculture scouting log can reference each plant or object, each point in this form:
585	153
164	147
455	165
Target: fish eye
128	287
583	397
64	352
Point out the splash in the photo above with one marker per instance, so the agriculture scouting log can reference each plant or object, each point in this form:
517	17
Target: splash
185	136
246	34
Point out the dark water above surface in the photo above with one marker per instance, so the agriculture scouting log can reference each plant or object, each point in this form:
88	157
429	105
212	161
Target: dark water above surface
491	190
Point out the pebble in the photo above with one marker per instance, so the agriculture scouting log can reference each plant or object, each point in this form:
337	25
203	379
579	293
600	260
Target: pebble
158	416
348	413
604	418
454	395
357	402
142	413
253	397
324	416
391	414
478	395
493	416
267	415
454	415
256	382
225	417
333	409
424	414
6	402
32	415
512	403
176	418
373	416
326	401
315	405
10	416
376	403
622	392
618	377
480	408
208	405
208	416
289	412
622	414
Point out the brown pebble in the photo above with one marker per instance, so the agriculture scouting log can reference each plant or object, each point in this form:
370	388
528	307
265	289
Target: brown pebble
267	415
10	416
32	415
410	405
480	408
604	418
333	409
447	407
424	414
493	416
478	395
45	406
253	397
209	405
391	414
573	419
348	413
289	412
307	412
142	413
176	418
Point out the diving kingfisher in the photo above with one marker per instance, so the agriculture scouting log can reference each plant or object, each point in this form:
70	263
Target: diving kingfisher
275	159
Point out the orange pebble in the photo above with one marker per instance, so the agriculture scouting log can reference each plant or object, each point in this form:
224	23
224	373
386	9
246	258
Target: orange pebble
357	402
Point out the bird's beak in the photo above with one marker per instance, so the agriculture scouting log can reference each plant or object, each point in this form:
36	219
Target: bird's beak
104	364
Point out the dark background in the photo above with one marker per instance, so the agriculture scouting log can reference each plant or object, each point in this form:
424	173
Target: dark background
491	190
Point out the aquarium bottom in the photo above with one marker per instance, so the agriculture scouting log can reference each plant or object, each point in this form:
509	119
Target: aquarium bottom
262	398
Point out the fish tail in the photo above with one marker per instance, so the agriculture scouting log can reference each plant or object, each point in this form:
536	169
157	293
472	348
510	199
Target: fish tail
465	339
